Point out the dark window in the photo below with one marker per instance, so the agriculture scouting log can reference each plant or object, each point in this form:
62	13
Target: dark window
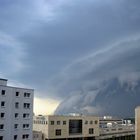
96	122
16	126
1	137
16	115
26	115
26	94
64	122
2	115
26	105
25	136
2	104
25	126
86	122
16	105
52	122
17	94
91	131
75	127
3	92
58	122
15	137
1	126
58	132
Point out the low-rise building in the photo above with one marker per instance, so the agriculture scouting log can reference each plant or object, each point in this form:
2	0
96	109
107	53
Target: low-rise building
119	129
37	135
67	127
82	127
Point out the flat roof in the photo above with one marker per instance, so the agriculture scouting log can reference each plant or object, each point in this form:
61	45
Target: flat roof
3	79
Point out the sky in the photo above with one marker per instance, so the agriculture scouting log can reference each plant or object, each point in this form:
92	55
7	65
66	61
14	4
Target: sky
63	48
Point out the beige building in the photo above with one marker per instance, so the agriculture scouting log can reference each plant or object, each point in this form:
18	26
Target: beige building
137	123
80	127
67	127
37	135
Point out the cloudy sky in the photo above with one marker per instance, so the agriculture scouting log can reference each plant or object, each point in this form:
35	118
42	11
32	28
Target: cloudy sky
63	47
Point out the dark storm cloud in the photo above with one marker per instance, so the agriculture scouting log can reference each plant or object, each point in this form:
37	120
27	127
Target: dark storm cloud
76	29
68	44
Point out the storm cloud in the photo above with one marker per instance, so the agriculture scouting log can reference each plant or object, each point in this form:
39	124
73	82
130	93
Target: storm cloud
67	50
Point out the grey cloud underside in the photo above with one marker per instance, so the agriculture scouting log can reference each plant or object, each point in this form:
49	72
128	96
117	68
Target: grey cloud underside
107	83
77	29
76	50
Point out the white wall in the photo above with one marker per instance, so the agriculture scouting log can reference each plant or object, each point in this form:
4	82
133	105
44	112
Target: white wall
10	110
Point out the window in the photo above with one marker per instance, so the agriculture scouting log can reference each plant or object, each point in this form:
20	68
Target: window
3	92
91	131
16	126
1	137
58	122
26	115
2	104
58	132
1	126
91	122
75	127
15	137
52	122
96	122
25	126
26	105
64	122
25	136
86	122
16	115
26	94
17	94
2	115
16	105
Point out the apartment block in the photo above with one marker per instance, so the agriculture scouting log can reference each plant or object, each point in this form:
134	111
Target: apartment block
16	112
67	127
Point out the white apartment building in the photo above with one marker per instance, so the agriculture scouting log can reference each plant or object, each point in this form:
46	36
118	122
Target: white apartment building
67	127
16	112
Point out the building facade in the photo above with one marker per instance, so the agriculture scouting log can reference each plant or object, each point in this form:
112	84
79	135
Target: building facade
16	112
137	123
67	127
83	128
115	128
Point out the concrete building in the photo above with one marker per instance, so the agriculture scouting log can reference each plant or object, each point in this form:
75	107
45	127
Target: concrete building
137	123
67	127
16	112
37	135
83	128
118	129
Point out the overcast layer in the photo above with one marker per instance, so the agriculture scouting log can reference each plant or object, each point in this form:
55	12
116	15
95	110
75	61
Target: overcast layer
66	47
